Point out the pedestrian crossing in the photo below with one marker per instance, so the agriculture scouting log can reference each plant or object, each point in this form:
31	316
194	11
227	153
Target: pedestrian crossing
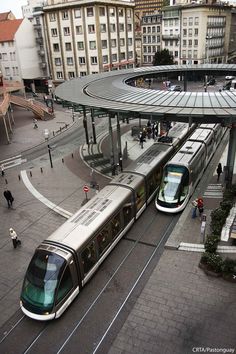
214	191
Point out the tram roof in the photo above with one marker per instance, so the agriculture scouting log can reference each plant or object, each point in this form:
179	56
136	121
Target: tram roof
110	93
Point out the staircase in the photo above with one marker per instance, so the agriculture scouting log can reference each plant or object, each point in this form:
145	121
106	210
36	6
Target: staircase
38	109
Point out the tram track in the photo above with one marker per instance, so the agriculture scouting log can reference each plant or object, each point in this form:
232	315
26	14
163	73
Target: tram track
91	318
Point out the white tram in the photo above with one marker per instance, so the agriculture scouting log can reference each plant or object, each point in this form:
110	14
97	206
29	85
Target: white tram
182	173
64	262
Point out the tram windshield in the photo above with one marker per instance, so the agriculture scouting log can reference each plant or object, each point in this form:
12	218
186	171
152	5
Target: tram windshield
174	186
41	281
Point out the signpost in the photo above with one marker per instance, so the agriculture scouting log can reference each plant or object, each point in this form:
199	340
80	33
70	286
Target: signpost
86	190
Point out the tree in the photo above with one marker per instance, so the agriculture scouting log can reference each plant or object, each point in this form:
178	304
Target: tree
163	58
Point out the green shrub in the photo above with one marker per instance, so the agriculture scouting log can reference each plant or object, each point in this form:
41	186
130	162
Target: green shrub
229	266
218	218
213	261
211	243
229	194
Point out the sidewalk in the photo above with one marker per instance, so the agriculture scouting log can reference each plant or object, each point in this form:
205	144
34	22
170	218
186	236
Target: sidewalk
179	308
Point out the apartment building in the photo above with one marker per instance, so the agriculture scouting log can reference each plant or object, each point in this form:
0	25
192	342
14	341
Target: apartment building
151	26
34	12
87	37
197	33
18	55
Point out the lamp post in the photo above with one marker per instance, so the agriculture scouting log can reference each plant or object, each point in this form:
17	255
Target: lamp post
46	136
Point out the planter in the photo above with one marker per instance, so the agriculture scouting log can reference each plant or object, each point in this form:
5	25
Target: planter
209	271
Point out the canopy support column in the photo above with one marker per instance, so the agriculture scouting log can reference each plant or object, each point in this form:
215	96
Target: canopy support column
93	127
111	147
85	125
120	158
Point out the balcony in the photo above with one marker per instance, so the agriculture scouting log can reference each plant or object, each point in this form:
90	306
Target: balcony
41	52
43	65
39	40
37	26
170	36
216	25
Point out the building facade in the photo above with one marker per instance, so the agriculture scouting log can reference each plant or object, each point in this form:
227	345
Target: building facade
85	37
151	26
197	33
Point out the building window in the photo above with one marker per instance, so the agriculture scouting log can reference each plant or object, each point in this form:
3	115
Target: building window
184	43
153	39
82	60
114	57
104	44
68	46
65	15
80	45
69	61
122	42
122	56
128	13
79	29
158	29
59	74
121	27
196	21
185	32
102	11
130	55
129	27
94	60
112	11
52	17
112	27
15	71
105	59
176	54
91	29
92	44
190	32
58	61
54	32
55	47
89	11
149	29
195	42
144	30
190	21
130	41
195	31
83	73
190	43
103	27
113	42
7	71
77	13
71	74
121	12
66	31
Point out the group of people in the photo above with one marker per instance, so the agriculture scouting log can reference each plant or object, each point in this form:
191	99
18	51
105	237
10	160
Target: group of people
197	205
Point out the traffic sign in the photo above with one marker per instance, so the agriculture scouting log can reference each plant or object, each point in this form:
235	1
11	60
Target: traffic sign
86	188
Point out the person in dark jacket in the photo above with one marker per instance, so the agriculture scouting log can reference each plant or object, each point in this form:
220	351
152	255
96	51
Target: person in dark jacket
219	171
7	194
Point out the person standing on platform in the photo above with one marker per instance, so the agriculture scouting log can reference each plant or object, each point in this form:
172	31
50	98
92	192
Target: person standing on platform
219	171
200	206
194	210
2	170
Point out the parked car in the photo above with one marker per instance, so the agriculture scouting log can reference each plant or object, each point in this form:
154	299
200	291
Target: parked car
175	88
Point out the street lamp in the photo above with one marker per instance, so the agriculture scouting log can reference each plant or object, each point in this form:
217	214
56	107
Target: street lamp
46	136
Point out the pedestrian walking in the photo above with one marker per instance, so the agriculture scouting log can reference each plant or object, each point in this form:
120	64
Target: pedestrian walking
7	194
141	140
194	210
35	123
2	170
14	238
200	206
219	171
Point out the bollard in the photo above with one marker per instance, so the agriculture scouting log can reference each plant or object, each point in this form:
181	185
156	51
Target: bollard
72	155
19	177
41	169
53	133
30	174
62	160
6	181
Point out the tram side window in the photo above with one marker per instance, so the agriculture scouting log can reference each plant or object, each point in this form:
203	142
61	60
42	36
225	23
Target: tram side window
153	182
65	286
115	226
89	257
140	196
103	239
127	212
